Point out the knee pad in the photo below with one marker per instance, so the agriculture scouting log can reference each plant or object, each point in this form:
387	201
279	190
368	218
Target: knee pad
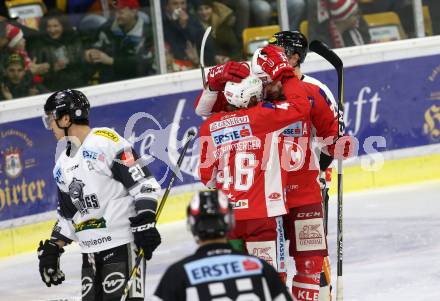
305	285
309	265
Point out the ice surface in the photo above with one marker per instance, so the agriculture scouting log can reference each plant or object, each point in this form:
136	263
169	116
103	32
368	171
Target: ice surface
391	251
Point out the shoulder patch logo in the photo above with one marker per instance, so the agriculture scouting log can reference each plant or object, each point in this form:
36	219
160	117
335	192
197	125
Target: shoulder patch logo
107	134
127	158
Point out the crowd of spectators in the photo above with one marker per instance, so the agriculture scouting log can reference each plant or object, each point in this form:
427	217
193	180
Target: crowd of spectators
87	42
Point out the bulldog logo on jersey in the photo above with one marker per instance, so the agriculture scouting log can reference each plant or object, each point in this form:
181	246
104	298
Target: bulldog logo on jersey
77	195
80	201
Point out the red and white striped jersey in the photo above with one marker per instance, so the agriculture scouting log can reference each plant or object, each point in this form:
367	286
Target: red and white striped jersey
243	153
303	184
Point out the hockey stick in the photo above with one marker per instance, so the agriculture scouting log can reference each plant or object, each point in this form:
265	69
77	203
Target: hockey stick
137	263
202	54
189	138
324	51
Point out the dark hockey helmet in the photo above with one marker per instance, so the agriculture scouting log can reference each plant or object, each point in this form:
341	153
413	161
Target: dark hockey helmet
209	215
292	42
68	102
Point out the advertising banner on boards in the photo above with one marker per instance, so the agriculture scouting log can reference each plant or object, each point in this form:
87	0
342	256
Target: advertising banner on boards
397	100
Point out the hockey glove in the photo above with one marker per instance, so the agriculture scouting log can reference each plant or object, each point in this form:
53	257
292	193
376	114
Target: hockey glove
229	71
345	147
145	233
274	62
49	255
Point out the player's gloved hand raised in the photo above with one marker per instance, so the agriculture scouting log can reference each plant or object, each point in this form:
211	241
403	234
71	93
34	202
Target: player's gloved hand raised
346	147
229	71
49	255
145	233
274	62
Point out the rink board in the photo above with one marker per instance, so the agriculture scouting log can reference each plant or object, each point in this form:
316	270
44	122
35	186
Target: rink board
388	93
20	239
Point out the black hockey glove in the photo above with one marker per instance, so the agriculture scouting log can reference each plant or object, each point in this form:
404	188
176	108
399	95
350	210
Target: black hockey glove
49	255
145	233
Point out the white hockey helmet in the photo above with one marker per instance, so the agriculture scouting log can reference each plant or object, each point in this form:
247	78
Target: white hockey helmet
240	94
256	68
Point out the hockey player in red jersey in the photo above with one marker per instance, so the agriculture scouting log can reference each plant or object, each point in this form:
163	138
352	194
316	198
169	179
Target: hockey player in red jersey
212	99
295	46
324	122
242	155
304	222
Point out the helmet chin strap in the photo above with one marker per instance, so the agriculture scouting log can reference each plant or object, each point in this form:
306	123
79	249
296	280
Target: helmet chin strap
66	134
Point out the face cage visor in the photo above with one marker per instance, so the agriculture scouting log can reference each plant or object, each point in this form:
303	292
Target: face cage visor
47	119
289	52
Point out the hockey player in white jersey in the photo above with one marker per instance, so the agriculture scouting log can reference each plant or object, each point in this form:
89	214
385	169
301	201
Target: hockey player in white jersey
107	203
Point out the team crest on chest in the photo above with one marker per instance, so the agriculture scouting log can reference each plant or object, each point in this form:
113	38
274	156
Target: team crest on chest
82	202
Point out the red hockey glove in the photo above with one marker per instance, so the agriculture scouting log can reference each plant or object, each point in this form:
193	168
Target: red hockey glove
275	63
346	147
229	71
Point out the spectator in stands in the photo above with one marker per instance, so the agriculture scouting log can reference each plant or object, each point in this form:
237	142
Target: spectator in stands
434	10
3	38
125	45
242	9
184	33
261	11
338	23
17	81
17	44
61	48
402	8
222	20
296	10
84	6
173	64
3	10
77	6
3	46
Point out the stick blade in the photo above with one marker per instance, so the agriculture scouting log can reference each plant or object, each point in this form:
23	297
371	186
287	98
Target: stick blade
323	50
